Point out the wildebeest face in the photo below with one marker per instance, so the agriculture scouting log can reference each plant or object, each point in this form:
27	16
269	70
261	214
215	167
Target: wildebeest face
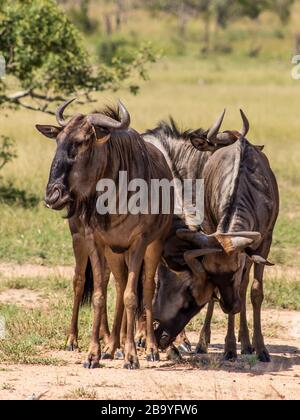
176	301
73	149
225	272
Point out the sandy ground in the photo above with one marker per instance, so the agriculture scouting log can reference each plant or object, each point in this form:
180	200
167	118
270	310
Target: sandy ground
197	377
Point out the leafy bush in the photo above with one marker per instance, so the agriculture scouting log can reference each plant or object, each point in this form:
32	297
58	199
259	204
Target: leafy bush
7	151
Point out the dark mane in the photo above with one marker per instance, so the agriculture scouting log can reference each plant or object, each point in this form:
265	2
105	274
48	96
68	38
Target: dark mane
171	129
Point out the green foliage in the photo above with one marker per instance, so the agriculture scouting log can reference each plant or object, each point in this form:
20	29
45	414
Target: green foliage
7	151
45	55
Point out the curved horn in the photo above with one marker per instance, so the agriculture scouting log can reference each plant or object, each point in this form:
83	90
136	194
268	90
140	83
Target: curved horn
104	121
60	112
190	256
246	125
212	134
125	116
199	239
237	241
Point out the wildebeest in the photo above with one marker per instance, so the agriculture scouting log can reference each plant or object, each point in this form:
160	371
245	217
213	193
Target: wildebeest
241	208
91	148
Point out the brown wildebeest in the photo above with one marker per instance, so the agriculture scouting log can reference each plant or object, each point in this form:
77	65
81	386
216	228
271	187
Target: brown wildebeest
241	208
100	146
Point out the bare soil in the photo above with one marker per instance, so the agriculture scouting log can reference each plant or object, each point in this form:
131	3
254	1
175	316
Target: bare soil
196	377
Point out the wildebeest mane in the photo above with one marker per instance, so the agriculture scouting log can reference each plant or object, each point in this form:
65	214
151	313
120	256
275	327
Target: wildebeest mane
171	129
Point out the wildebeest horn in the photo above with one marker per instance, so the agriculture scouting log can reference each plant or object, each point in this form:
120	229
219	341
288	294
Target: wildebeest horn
60	112
212	134
199	239
104	121
246	125
190	257
230	242
237	241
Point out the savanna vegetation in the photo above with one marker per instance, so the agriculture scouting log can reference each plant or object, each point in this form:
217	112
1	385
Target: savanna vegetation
206	60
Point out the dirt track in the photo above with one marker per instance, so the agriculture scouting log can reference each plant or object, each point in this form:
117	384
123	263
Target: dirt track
206	378
203	377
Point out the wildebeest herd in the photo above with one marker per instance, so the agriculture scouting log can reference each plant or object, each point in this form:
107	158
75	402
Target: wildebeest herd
166	267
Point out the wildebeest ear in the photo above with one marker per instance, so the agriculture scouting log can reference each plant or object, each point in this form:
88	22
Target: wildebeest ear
258	259
104	139
202	144
49	130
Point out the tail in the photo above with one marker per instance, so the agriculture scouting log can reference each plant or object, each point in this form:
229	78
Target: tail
88	285
140	292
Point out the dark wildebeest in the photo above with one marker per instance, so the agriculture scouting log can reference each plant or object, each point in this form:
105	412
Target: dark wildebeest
241	208
100	146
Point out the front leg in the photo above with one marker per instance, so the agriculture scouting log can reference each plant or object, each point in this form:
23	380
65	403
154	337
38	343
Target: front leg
204	339
117	262
230	340
81	260
98	265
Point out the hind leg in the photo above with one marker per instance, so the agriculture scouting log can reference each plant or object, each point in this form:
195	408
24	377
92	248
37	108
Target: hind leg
104	328
244	338
257	297
140	336
81	259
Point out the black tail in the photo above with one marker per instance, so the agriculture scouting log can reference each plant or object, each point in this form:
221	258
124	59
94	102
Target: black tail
88	285
140	292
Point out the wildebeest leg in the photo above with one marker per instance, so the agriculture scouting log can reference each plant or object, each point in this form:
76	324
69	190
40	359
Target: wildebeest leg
104	328
244	338
81	259
140	336
183	343
173	354
116	261
257	298
230	340
136	255
205	333
121	351
152	258
98	265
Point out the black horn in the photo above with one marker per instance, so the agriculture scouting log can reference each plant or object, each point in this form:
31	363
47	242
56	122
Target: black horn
60	112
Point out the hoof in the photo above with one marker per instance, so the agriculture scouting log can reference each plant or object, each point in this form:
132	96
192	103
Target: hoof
174	355
131	365
153	356
264	356
119	355
201	349
71	347
106	356
247	350
185	347
230	356
91	365
141	343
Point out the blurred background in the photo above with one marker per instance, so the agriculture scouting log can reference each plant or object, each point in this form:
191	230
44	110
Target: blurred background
188	59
